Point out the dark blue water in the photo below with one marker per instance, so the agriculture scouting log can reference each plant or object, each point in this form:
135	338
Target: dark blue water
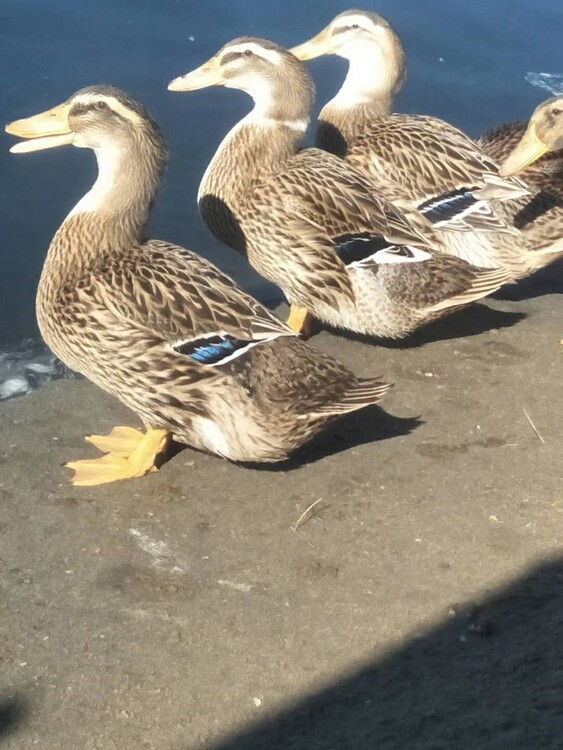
50	48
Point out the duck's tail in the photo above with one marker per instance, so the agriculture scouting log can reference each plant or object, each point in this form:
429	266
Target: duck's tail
485	281
362	393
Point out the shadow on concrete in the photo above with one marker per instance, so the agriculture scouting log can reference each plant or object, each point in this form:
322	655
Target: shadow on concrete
359	428
490	677
547	281
471	320
350	431
13	712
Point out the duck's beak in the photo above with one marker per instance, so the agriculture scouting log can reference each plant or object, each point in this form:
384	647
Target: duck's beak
530	148
208	74
322	44
46	130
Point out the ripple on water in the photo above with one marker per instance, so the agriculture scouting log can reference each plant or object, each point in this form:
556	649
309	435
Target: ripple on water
27	367
551	82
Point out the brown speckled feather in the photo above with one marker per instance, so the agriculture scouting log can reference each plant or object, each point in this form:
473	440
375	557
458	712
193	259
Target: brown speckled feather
321	198
416	161
175	293
438	279
424	155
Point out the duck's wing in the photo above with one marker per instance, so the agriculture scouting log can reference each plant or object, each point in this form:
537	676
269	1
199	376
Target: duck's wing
307	210
347	198
438	170
171	295
444	281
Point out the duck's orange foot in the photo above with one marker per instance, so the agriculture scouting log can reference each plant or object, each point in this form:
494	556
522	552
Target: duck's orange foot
130	453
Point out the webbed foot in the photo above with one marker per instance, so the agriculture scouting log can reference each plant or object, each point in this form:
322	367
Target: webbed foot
129	453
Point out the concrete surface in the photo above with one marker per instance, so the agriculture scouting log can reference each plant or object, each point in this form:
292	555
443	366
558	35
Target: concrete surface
421	607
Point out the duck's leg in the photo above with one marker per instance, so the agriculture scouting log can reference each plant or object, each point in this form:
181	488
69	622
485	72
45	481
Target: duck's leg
300	321
131	454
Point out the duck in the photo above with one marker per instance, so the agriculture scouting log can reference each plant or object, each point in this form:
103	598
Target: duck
421	163
536	140
159	327
542	220
310	222
545	174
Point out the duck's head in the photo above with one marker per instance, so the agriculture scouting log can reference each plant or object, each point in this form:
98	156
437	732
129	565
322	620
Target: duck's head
543	134
374	50
272	76
94	117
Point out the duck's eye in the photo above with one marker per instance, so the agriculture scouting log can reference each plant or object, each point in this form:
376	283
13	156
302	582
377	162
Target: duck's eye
101	105
556	112
248	53
355	26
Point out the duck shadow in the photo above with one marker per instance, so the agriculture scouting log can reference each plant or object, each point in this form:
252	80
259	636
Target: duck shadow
547	281
13	712
370	425
472	320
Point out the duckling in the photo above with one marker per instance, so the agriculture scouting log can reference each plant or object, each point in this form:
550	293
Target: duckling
420	163
159	327
308	221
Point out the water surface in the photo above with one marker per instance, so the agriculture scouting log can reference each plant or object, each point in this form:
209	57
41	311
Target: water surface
467	63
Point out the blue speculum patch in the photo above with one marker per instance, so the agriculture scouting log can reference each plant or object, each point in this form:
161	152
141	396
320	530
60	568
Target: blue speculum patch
213	350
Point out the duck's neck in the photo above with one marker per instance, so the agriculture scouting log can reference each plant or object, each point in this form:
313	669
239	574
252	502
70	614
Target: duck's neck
374	78
257	146
112	216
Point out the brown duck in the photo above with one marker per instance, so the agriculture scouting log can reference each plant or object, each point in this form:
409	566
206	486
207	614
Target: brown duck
423	164
159	327
308	221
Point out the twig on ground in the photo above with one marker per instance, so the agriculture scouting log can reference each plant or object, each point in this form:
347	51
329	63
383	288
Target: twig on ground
306	515
533	426
300	535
